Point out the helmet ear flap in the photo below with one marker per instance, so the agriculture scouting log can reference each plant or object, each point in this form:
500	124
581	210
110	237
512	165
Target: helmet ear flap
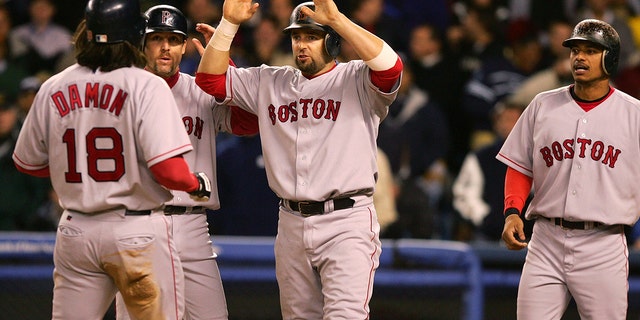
605	53
610	61
332	43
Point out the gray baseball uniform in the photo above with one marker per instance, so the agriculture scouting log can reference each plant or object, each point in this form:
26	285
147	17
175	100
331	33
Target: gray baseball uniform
99	132
584	168
318	138
203	118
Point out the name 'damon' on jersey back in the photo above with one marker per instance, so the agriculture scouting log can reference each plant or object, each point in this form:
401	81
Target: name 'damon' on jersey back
96	95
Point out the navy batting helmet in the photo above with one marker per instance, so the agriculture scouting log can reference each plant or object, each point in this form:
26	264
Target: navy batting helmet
299	20
602	34
164	18
113	21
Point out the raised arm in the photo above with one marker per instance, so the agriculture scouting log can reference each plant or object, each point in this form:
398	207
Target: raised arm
215	59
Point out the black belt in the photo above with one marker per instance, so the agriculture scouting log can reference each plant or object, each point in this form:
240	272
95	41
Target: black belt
137	213
183	210
580	225
312	208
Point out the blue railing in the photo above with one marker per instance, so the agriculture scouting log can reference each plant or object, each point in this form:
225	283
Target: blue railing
404	263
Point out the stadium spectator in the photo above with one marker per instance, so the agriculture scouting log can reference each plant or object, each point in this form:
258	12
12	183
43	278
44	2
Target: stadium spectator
20	194
11	70
265	46
41	42
384	197
281	10
498	77
29	86
440	75
370	15
558	74
414	136
478	188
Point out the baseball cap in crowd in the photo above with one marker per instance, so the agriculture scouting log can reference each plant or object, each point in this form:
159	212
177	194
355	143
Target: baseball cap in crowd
30	84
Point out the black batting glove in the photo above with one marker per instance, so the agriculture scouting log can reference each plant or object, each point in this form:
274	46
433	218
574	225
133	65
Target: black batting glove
203	193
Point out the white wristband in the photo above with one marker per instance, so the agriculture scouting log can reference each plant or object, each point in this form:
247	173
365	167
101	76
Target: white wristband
385	60
223	36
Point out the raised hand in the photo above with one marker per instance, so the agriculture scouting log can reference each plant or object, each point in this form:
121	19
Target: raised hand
239	11
207	31
326	12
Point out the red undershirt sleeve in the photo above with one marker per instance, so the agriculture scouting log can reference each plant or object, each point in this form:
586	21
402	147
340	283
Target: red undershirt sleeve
174	174
213	84
386	79
517	187
243	123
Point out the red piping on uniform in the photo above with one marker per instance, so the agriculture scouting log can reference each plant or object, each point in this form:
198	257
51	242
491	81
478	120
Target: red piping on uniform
170	151
626	253
40	173
515	164
372	262
173	269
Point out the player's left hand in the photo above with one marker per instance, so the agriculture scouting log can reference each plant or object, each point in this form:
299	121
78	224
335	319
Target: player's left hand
207	31
203	192
513	233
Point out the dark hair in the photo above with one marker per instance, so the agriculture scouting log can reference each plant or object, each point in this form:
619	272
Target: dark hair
106	56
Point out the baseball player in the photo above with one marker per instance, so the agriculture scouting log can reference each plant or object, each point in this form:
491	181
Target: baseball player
164	44
109	135
318	126
579	147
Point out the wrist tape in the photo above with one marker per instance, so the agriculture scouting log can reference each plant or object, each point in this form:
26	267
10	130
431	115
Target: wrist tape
223	36
385	60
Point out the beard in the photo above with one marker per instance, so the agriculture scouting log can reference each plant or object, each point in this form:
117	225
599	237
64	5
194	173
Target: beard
312	67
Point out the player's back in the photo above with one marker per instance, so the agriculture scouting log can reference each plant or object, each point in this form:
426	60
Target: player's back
99	132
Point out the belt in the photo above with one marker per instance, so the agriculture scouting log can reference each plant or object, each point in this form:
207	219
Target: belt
580	225
182	210
312	208
137	213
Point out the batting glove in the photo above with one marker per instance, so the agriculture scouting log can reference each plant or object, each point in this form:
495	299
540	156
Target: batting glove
203	192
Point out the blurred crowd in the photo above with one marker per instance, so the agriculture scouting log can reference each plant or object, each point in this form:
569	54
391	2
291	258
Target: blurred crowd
471	67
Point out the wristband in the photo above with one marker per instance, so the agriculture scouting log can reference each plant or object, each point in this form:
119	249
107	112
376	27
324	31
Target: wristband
511	211
385	60
223	36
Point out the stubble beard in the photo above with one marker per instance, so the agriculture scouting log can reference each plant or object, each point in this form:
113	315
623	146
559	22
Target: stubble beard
163	71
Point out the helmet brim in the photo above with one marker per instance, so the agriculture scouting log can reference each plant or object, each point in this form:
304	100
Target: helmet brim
571	42
152	30
303	26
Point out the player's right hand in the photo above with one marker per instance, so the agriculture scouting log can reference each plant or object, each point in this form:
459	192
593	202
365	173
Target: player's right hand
513	233
203	193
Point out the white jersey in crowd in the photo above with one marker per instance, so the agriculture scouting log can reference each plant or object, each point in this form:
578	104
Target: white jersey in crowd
312	129
80	127
203	118
597	150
